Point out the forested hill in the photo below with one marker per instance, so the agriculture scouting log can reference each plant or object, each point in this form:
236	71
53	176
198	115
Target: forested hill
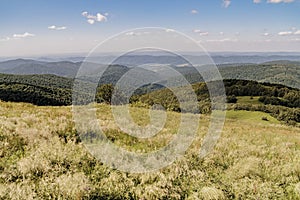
42	80
25	66
57	91
280	72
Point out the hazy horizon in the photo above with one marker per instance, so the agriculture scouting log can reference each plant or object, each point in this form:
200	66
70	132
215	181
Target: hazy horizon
72	27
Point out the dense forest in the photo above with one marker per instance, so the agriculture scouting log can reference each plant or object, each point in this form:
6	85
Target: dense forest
280	101
281	72
49	90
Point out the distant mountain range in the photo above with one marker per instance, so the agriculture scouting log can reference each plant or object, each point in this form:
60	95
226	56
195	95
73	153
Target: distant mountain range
24	66
281	71
163	58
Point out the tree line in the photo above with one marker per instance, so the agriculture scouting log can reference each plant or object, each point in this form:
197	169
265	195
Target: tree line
281	101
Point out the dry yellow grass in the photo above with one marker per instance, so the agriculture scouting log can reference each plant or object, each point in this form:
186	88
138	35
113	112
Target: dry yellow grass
42	159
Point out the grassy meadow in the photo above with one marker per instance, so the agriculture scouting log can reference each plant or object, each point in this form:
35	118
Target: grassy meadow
42	157
249	100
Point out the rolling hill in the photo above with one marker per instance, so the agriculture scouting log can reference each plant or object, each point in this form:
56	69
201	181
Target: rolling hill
281	71
281	101
42	157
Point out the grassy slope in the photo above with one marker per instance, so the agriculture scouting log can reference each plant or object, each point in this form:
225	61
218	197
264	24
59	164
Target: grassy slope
248	99
251	117
41	158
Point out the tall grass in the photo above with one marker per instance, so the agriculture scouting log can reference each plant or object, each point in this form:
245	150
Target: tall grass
42	157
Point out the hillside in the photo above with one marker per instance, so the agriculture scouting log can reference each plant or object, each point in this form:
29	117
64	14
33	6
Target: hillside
24	66
281	101
42	157
279	71
136	58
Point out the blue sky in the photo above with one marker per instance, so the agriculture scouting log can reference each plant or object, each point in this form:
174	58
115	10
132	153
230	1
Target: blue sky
42	27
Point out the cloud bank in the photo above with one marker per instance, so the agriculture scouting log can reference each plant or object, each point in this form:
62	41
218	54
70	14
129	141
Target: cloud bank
57	28
24	35
92	19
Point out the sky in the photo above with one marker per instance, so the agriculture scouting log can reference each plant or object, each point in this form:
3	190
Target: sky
46	27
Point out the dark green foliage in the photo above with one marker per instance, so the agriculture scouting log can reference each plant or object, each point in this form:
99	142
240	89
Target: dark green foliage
57	91
104	93
34	94
231	99
164	97
37	89
112	74
69	135
285	73
12	148
46	80
272	100
273	94
285	98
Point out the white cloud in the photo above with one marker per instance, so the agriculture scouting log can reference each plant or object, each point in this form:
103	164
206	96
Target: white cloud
297	32
91	19
131	33
194	11
134	33
223	40
170	30
285	33
221	33
4	39
266	34
226	3
24	35
280	1
58	28
203	33
100	18
256	1
85	14
139	33
228	40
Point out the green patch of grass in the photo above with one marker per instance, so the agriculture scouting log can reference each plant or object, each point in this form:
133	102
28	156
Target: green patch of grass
249	100
251	117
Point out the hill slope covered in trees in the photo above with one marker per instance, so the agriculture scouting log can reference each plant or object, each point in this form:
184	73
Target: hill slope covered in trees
281	101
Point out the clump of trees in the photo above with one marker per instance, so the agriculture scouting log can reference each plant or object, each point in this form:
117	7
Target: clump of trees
41	96
231	99
280	101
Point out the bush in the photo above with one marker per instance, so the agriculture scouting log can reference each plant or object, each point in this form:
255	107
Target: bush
231	99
